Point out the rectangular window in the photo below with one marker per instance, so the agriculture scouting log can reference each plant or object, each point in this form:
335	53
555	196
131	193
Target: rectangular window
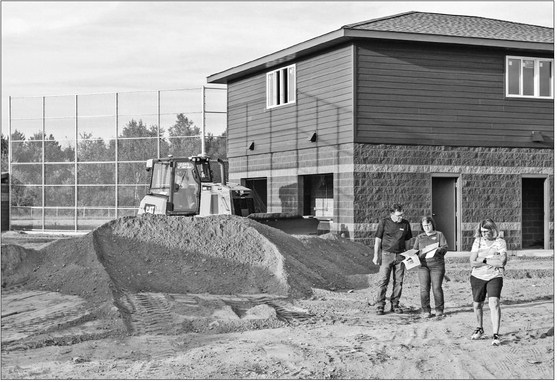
529	77
318	199
281	86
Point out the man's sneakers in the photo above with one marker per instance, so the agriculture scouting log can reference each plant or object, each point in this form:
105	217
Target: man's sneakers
381	310
496	340
478	333
397	309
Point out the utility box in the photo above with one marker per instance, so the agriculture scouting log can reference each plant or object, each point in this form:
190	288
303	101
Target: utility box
5	212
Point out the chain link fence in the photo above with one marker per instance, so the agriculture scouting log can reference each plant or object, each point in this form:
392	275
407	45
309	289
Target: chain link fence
78	161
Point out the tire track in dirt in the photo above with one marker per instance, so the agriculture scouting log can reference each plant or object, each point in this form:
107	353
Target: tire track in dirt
32	313
155	364
479	359
365	354
462	362
507	363
426	337
170	314
527	358
289	313
151	314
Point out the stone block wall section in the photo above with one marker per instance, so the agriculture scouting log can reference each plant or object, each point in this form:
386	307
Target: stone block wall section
284	171
369	178
491	180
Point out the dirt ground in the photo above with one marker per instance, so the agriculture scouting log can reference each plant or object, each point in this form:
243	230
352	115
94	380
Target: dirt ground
211	304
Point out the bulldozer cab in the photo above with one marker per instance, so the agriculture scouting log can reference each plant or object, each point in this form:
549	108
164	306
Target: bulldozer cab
179	180
203	168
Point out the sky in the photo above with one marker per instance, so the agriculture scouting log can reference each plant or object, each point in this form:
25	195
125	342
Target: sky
67	48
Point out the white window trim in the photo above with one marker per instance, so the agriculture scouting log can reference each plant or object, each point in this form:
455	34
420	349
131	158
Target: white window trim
536	77
271	97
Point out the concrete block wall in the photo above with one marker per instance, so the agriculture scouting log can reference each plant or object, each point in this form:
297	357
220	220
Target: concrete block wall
376	191
284	169
491	181
369	178
495	196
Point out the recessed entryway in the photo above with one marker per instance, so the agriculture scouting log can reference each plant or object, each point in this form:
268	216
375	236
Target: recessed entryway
444	207
258	187
533	213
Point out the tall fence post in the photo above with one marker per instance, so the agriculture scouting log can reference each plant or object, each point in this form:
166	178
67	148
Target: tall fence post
203	152
43	134
76	189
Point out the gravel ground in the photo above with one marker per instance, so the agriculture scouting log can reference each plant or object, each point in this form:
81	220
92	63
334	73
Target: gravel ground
222	298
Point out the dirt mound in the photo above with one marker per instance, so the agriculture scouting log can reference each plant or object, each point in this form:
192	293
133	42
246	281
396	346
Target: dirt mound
68	266
214	255
219	255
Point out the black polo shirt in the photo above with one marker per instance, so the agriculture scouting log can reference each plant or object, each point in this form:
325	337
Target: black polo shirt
393	235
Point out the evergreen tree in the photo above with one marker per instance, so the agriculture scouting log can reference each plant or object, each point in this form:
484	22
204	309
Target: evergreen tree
184	138
4	153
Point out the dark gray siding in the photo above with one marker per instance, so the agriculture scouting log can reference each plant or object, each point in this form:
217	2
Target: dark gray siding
324	105
416	93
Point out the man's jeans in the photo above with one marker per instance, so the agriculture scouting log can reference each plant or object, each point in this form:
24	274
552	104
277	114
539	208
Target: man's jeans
431	275
390	262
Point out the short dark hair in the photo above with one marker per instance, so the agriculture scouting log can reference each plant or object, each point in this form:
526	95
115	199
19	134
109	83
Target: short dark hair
427	219
395	207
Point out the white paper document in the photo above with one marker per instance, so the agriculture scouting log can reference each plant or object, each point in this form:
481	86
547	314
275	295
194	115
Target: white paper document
410	252
430	250
411	259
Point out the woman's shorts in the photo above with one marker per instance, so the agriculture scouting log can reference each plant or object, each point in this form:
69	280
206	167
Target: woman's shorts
481	287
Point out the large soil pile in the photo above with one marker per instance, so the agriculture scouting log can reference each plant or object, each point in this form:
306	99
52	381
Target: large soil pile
213	255
68	266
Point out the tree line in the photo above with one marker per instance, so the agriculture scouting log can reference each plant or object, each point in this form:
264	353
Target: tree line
136	142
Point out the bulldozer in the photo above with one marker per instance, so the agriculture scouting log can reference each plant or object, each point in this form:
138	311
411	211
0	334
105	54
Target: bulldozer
186	187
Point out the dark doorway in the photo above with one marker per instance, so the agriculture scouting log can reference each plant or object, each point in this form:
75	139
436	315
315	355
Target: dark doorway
443	193
318	195
258	186
532	213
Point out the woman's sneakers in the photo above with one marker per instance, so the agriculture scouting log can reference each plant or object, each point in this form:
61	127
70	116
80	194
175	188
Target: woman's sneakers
478	333
496	340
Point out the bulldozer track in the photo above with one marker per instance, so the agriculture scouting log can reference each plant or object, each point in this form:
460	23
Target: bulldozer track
150	314
285	311
33	319
289	313
157	313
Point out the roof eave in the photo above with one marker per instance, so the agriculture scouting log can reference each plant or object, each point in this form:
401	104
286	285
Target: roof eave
420	37
279	57
344	35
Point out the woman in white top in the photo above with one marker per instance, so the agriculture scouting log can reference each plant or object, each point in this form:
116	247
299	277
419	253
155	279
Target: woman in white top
488	259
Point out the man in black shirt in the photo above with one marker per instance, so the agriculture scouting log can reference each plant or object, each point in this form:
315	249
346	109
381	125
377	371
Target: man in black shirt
391	239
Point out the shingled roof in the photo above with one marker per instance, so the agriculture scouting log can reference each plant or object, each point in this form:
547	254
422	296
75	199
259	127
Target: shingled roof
456	26
410	26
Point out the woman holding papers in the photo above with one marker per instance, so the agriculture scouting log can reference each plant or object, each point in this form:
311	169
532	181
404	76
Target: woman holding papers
432	247
488	259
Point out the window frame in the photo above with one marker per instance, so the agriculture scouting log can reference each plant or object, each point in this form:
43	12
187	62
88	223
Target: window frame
285	93
536	80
